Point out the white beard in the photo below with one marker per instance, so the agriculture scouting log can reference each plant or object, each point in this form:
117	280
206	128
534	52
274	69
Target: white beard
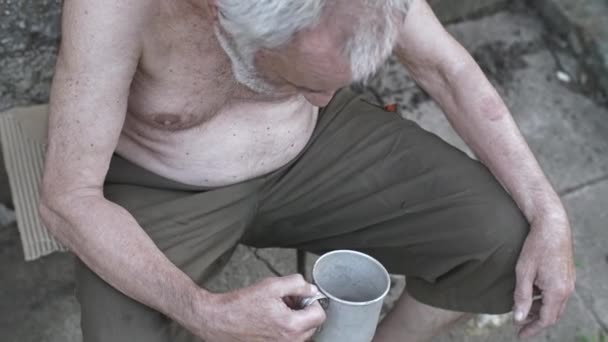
242	64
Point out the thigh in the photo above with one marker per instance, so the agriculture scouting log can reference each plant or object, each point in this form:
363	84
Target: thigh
197	231
193	229
109	316
374	182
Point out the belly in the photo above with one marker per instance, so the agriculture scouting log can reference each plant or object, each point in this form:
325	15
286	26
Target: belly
241	142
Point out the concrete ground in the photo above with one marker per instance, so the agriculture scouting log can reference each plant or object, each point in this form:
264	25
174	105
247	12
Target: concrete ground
566	127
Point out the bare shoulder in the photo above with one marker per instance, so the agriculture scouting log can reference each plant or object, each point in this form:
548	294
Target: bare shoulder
423	39
100	48
92	27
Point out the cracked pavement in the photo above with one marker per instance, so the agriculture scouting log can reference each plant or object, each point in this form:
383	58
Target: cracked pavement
565	125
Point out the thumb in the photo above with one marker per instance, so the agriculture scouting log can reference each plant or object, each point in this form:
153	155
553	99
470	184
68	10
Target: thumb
295	285
523	296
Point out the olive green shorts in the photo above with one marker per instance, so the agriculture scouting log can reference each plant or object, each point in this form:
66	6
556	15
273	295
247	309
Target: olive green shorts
368	180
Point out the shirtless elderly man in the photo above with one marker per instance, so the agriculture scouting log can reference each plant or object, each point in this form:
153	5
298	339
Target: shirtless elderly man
179	128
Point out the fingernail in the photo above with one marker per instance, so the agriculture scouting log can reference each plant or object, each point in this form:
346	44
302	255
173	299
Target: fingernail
519	315
314	289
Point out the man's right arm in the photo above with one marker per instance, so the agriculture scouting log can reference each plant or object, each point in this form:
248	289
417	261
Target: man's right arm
99	53
100	50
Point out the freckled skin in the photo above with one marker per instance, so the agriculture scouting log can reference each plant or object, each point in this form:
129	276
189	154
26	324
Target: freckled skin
192	99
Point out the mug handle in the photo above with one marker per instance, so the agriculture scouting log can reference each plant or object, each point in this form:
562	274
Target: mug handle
308	301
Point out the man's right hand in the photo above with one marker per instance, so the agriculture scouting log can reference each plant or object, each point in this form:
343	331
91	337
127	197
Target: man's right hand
260	312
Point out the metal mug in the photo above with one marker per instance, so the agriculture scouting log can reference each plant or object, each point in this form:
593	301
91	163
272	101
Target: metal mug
352	288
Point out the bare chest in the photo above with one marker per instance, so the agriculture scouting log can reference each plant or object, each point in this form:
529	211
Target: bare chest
190	121
183	79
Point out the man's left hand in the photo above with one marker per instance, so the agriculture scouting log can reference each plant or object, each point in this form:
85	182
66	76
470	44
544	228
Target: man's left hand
546	270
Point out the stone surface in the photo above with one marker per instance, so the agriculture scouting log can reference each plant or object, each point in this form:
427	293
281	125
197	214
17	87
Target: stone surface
282	261
244	268
36	298
29	33
7	216
587	209
577	322
584	23
449	10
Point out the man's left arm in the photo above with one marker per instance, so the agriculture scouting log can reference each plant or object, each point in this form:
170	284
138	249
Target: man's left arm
472	105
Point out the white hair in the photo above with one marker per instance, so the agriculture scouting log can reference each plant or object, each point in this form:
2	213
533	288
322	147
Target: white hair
241	56
375	35
248	25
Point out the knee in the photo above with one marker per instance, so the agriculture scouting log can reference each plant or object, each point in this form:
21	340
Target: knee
504	227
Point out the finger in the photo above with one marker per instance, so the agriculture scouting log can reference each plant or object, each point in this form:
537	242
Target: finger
533	314
309	334
310	318
523	295
294	285
548	316
552	305
531	329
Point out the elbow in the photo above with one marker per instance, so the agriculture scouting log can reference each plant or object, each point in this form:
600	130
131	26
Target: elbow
445	80
45	204
54	211
50	215
49	202
48	209
62	207
57	197
455	68
471	91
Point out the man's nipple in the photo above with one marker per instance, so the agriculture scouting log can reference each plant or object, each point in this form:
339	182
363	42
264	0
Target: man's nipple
167	120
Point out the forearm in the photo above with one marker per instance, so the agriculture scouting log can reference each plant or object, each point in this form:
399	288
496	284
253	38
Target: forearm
482	119
110	242
450	75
